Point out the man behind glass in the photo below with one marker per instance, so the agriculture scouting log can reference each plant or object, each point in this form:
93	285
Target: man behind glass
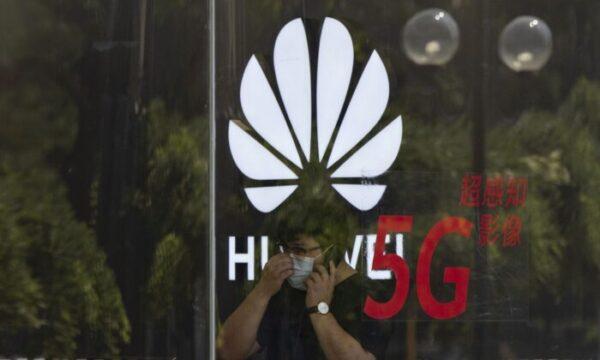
305	306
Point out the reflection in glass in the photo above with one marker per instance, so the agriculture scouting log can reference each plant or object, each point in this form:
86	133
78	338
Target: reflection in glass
431	37
525	44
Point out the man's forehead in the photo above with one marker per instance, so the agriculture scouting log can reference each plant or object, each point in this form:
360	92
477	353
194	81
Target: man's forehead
303	240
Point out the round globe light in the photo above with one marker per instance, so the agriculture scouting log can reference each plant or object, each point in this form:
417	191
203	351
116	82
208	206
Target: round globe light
431	37
525	44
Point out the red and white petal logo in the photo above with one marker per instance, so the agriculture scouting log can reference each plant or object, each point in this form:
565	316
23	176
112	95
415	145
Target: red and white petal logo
268	121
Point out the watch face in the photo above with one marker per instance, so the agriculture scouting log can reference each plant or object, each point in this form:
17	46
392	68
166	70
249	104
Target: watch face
323	307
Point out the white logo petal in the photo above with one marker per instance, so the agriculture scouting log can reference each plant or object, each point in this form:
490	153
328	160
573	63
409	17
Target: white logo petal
253	159
362	197
365	109
336	58
268	198
292	69
376	156
263	113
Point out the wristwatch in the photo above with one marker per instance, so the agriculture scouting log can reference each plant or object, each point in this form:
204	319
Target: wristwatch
321	308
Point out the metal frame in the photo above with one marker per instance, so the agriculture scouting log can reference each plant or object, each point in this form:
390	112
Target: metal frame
212	185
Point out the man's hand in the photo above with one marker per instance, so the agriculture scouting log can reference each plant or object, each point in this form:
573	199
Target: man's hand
276	270
320	285
237	337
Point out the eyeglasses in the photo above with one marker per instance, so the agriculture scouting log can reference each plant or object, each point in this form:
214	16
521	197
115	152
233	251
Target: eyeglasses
300	251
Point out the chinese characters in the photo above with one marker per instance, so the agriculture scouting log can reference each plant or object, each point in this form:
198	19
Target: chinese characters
490	195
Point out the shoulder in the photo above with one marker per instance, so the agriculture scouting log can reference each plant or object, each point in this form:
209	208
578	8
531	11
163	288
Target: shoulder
356	284
349	295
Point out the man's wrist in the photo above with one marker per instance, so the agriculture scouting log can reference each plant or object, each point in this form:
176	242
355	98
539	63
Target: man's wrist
310	303
316	317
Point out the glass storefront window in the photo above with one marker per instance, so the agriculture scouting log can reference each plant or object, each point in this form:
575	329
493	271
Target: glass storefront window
299	179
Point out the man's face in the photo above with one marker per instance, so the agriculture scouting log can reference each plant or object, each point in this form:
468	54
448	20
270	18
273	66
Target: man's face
306	246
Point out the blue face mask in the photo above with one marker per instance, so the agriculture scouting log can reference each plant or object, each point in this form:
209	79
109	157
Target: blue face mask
303	267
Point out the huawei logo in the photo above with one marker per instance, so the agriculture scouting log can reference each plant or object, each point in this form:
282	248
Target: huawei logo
274	147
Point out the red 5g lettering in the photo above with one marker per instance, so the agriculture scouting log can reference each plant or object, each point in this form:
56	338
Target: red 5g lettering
381	261
459	276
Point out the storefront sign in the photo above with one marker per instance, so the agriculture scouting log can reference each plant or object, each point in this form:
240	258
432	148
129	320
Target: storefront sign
336	150
286	139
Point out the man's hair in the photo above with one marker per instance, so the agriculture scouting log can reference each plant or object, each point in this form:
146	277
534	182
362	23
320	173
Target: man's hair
329	223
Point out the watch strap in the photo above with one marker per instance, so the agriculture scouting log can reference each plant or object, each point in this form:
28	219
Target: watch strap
312	310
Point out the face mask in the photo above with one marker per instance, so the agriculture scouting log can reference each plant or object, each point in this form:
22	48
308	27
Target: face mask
303	267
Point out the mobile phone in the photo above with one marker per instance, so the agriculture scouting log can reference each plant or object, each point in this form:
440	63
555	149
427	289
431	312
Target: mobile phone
329	254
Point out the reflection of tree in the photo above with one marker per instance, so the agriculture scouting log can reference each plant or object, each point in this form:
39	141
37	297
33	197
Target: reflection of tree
559	152
56	291
57	295
173	204
55	284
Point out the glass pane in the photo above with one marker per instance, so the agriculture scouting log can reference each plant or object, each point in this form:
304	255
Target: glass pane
103	179
441	153
479	189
